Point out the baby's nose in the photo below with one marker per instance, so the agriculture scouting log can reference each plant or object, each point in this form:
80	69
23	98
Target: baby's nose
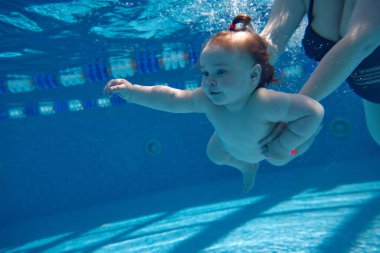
212	83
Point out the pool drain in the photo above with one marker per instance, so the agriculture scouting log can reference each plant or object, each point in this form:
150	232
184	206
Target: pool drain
340	127
153	147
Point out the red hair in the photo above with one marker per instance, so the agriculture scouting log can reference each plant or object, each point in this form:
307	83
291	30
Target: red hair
253	44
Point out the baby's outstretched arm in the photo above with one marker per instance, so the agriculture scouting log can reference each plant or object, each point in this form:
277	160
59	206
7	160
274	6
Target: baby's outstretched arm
157	97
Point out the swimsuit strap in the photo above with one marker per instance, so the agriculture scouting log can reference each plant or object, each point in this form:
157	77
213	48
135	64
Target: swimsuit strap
310	11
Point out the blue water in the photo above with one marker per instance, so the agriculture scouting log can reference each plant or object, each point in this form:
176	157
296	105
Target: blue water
82	173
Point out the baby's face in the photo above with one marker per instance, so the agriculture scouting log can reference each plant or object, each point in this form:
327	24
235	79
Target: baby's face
226	75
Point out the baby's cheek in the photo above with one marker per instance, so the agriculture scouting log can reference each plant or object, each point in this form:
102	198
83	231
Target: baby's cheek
228	81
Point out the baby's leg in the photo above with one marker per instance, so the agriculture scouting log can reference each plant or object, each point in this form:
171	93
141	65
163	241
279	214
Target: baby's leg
218	155
300	150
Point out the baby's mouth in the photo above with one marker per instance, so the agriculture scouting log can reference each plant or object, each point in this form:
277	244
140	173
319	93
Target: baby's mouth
213	93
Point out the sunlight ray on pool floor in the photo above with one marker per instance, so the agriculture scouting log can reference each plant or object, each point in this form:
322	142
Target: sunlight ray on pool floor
305	222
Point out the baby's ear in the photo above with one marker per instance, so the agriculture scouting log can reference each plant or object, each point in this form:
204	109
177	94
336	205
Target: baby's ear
255	74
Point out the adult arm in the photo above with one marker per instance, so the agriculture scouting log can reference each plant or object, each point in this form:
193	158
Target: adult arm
361	39
284	19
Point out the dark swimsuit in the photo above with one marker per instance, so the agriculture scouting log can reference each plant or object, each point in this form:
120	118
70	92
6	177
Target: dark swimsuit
364	80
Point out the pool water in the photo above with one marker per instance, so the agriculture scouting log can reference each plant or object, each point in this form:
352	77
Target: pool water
80	172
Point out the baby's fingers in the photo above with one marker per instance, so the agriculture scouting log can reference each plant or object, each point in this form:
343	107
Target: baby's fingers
110	86
276	131
117	88
268	139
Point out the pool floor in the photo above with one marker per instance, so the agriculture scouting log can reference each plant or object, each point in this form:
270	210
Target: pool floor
335	208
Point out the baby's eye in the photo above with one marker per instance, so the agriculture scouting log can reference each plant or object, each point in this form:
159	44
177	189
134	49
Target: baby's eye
204	73
221	71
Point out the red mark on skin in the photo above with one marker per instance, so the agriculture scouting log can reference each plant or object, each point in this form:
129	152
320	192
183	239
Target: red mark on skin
293	152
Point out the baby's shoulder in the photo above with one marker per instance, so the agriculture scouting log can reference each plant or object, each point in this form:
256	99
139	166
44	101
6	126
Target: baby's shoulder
265	96
201	101
267	99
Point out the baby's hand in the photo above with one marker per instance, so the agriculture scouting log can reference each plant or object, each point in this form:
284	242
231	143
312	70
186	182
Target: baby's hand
274	134
120	87
276	151
271	146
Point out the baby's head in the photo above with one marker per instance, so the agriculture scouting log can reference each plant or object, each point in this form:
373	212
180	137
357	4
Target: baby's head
242	38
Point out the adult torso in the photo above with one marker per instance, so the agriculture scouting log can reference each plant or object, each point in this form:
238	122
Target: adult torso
329	21
331	17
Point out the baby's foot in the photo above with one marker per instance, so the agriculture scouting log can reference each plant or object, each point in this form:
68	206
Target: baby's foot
249	175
